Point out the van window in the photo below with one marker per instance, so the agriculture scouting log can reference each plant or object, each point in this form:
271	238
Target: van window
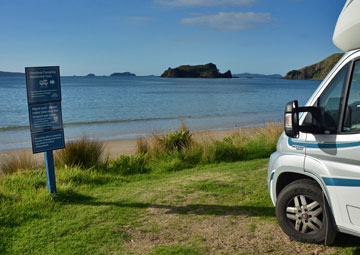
330	102
352	110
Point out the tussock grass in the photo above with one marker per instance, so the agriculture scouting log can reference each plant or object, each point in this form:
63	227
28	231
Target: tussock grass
133	164
15	161
84	153
178	150
142	146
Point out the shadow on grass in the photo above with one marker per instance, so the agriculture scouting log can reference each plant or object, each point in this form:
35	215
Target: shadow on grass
72	197
344	240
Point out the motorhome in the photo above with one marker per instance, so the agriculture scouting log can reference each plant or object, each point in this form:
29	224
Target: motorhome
314	175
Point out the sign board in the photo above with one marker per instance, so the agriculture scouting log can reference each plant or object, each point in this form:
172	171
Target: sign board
46	141
43	84
45	117
44	103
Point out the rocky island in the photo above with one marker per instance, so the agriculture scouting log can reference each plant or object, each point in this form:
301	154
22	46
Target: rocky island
317	71
199	71
122	74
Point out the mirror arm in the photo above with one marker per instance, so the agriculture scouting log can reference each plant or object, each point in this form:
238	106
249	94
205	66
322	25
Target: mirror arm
315	114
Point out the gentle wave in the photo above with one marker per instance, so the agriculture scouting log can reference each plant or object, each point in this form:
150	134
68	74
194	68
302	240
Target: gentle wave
8	128
99	122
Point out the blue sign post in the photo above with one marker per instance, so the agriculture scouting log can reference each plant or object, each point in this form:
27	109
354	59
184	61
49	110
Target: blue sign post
46	126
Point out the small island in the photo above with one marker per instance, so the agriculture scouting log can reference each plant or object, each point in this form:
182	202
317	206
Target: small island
90	75
122	74
199	71
257	76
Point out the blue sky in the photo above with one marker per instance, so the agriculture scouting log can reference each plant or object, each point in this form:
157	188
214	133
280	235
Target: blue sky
147	37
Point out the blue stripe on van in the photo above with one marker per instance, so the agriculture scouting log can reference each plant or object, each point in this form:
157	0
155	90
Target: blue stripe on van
323	145
341	182
272	175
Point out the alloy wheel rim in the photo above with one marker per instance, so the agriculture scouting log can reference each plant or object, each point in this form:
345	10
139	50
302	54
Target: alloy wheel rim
304	214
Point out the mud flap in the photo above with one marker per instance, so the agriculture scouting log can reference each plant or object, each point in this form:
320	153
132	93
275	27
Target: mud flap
331	229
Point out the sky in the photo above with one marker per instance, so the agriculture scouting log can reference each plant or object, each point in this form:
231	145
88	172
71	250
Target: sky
148	36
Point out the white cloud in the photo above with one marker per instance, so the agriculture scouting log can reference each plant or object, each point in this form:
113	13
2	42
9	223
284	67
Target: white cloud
230	20
180	3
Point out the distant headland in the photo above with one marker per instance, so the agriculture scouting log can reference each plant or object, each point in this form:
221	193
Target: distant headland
198	71
317	71
11	74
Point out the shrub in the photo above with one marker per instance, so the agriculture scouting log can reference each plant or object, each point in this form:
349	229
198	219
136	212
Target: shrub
15	161
84	153
127	165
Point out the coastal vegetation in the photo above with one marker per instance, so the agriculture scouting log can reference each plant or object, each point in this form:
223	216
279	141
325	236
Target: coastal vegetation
317	71
143	204
198	71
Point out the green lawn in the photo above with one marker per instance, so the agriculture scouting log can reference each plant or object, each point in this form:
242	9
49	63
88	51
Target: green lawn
212	209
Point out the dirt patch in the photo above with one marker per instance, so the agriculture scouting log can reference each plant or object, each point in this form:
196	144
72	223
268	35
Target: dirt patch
228	234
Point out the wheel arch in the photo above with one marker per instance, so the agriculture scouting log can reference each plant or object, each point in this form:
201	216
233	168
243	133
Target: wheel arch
286	178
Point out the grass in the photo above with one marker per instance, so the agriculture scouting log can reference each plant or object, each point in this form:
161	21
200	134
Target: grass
15	161
221	208
178	150
84	153
144	204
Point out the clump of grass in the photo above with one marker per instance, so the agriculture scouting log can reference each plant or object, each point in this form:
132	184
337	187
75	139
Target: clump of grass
15	161
84	153
243	147
177	150
127	165
142	146
175	141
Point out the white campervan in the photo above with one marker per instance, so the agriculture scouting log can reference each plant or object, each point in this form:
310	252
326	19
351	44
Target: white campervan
314	175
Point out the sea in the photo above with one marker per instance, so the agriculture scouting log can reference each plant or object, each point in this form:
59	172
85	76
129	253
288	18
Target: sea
110	108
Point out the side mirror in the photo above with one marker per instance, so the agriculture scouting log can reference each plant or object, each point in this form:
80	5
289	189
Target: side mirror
291	120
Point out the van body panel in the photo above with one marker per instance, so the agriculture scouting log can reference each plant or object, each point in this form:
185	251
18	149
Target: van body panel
283	163
347	30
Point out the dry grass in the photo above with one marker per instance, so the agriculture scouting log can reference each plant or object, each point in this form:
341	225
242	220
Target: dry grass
84	153
14	161
142	146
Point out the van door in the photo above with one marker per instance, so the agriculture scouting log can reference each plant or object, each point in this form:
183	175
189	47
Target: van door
334	154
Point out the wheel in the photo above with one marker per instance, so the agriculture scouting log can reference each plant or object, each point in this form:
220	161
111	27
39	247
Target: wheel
302	214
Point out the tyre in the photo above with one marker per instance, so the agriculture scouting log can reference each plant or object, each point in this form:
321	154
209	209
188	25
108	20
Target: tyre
302	213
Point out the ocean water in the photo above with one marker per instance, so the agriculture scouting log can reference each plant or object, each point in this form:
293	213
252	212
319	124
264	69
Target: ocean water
126	107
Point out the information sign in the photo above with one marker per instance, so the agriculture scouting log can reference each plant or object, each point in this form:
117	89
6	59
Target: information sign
46	141
44	104
45	117
43	84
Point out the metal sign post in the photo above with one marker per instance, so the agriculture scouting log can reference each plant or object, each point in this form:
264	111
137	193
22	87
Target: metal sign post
46	126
